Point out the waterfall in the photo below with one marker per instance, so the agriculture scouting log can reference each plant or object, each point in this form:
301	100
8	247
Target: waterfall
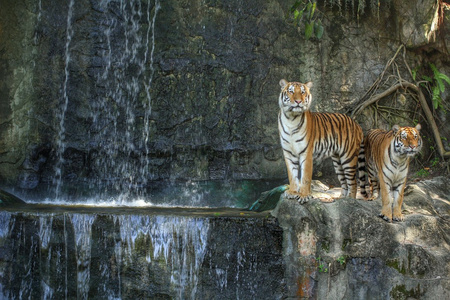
45	235
4	232
82	225
148	107
60	256
121	114
177	242
120	104
61	138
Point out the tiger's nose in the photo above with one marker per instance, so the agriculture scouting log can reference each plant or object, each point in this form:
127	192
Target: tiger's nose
412	146
298	101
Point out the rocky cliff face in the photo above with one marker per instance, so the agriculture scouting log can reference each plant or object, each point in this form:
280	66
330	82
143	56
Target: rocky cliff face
148	90
343	250
138	254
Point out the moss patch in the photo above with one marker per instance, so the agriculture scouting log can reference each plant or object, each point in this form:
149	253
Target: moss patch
400	292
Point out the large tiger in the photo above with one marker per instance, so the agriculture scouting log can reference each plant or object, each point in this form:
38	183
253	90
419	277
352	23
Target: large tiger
306	135
387	155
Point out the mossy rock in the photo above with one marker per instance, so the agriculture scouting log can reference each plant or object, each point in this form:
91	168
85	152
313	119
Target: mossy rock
7	199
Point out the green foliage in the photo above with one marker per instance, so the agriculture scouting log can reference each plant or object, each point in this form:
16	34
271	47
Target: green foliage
401	292
434	162
426	171
303	13
341	260
437	83
423	173
322	265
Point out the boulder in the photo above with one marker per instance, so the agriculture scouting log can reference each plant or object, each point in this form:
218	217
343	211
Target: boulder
343	250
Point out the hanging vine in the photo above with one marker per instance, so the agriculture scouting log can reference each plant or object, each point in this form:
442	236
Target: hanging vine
306	15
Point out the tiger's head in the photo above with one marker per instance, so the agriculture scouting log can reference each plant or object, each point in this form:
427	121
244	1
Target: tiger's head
295	97
407	140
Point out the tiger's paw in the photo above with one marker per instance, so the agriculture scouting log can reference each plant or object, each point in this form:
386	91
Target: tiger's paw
304	199
291	196
398	218
386	218
297	197
367	197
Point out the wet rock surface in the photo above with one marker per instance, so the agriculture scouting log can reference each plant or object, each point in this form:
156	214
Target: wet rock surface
339	250
61	252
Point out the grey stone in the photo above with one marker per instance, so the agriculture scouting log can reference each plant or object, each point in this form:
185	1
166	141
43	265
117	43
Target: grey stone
342	250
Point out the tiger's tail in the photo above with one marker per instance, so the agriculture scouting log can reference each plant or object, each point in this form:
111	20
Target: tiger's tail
362	172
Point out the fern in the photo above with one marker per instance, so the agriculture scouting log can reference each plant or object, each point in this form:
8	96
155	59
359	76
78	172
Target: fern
437	85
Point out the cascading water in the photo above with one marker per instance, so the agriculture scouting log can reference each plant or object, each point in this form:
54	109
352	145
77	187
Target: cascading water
82	225
141	256
173	245
116	166
120	130
61	114
120	107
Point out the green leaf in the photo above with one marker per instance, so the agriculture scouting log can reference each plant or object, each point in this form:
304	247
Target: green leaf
318	29
414	73
439	84
435	70
436	97
296	14
313	9
295	6
308	11
309	28
300	15
443	77
428	79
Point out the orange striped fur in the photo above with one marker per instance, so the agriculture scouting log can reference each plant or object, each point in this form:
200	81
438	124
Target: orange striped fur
306	135
387	155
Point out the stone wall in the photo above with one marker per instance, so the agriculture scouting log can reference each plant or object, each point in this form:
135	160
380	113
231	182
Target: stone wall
157	90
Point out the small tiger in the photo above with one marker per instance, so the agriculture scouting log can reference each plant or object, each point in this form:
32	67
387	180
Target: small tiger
387	155
305	135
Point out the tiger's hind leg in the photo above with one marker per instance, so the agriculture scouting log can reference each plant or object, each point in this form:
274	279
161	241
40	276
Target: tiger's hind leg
374	187
350	166
375	193
346	170
341	176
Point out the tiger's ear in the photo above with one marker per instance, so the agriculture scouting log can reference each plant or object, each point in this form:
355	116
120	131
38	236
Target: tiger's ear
418	127
309	84
395	128
283	83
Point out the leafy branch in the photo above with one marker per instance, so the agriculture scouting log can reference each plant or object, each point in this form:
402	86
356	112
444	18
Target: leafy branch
303	12
437	83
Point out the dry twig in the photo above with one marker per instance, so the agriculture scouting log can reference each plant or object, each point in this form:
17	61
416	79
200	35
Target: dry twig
402	84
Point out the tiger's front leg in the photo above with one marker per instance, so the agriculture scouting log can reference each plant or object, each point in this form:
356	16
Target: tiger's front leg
398	201
294	185
306	167
386	201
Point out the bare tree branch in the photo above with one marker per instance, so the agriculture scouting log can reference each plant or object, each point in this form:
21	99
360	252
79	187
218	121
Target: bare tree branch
423	103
